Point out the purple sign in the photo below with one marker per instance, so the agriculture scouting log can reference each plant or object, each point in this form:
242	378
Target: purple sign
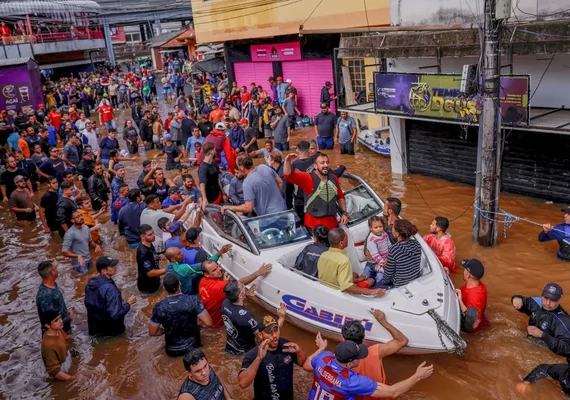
20	89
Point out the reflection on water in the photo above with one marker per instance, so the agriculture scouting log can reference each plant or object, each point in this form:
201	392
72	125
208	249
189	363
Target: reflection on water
135	366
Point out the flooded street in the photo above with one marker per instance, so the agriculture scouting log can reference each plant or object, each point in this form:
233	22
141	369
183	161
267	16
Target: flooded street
135	365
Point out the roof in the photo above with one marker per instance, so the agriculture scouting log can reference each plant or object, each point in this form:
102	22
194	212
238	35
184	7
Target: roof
159	40
15	61
23	7
180	40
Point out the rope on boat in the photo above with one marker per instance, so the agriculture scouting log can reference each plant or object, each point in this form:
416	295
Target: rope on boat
506	218
443	328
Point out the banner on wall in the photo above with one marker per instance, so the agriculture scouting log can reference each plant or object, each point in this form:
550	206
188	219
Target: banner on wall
439	97
20	89
276	52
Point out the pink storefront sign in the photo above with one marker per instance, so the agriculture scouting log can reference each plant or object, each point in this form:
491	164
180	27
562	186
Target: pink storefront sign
276	52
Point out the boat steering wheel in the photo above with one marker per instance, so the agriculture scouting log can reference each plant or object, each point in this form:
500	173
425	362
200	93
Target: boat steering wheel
270	234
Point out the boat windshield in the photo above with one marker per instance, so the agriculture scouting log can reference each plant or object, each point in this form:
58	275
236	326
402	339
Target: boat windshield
276	230
361	204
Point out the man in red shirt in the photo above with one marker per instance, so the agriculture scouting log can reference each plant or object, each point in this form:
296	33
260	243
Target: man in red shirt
323	194
106	116
441	243
55	118
211	288
5	33
472	296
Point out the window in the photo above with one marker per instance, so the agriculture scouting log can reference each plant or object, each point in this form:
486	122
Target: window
134	37
227	227
357	75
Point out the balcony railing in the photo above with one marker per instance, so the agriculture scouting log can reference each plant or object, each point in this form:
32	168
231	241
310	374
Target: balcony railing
76	34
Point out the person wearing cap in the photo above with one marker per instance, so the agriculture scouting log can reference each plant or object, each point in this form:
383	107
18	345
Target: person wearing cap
441	243
77	243
178	314
325	123
472	296
49	296
560	233
21	201
86	167
206	126
201	382
173	153
548	321
55	355
149	271
281	89
326	95
269	366
105	308
289	88
7	183
334	374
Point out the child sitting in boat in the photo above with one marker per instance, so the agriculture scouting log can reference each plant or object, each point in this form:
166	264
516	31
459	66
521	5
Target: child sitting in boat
376	248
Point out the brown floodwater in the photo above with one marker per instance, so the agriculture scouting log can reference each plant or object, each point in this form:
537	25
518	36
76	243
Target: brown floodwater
134	366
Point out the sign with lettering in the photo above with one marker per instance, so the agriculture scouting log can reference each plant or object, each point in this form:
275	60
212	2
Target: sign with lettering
439	96
301	307
276	52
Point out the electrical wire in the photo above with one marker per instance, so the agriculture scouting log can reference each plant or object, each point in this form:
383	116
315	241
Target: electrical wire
366	13
310	15
289	2
541	15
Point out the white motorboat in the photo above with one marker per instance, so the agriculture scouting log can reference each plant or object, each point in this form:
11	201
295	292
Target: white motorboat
426	310
372	138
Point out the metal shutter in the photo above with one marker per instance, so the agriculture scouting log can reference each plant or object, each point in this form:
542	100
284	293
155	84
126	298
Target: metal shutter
309	76
248	72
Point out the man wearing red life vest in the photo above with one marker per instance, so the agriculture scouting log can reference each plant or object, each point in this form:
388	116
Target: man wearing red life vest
323	194
221	144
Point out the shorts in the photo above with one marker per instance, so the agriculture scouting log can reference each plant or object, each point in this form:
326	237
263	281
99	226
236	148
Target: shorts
370	272
267	133
347	148
325	143
166	90
282	146
133	245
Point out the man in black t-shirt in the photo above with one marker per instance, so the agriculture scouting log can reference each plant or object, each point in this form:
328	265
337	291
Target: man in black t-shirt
7	185
209	177
149	271
241	326
48	206
269	366
201	382
178	314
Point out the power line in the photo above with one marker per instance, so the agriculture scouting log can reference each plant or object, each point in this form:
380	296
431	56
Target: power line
541	15
253	13
366	13
310	15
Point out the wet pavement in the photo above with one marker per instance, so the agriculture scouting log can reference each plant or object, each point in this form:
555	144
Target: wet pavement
135	366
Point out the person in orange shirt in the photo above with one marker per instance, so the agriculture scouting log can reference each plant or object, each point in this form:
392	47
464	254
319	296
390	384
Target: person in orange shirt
372	366
216	115
441	243
85	208
23	145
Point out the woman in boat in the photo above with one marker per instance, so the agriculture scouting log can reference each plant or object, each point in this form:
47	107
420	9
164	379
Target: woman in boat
308	258
405	256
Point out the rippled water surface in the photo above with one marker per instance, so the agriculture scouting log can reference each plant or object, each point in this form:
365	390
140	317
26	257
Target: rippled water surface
135	366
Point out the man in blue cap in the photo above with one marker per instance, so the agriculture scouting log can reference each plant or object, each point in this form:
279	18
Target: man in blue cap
334	377
561	233
548	320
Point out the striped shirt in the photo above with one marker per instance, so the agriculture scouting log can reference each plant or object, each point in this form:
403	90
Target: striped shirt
404	263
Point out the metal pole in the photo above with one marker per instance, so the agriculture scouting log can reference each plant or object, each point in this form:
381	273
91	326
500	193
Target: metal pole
109	42
489	126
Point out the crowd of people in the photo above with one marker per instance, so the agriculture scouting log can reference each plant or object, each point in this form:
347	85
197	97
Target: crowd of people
217	133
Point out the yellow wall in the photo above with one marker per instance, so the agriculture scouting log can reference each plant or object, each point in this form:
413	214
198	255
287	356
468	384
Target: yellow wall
222	20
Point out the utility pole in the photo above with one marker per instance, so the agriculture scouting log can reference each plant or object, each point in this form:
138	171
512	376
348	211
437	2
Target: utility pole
487	195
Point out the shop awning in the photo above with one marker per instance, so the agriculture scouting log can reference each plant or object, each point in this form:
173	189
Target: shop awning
213	66
24	7
548	120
